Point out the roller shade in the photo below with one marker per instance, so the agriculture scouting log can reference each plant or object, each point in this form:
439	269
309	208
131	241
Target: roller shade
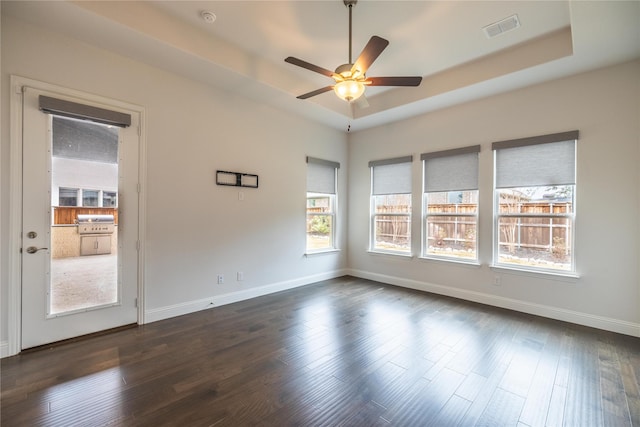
321	176
451	170
537	161
391	176
75	110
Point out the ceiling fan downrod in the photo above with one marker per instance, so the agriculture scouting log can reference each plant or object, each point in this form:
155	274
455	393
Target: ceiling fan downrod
350	4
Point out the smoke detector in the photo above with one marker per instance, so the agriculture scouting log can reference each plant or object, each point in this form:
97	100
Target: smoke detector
209	17
503	26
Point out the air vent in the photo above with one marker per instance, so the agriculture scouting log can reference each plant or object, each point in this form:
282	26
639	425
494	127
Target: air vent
500	27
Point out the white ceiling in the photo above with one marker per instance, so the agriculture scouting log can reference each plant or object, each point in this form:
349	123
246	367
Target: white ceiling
442	41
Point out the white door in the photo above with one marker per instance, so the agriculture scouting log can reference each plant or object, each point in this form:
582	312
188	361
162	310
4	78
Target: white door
66	294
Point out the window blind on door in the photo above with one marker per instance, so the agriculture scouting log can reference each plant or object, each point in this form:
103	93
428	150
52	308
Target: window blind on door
61	107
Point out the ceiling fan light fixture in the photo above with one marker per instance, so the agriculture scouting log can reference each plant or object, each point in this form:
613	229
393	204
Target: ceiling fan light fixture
349	90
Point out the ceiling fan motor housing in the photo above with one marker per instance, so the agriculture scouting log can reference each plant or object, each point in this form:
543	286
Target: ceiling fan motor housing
344	70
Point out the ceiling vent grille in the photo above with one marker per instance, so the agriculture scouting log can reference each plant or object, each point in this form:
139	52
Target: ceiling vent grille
500	27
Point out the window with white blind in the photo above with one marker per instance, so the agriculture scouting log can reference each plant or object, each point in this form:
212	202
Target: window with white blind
450	204
390	230
90	198
321	204
67	196
535	185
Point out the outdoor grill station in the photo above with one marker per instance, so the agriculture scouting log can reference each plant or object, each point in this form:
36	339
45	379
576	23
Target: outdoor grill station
95	233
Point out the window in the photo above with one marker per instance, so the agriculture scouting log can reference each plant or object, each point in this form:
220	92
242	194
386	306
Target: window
391	205
450	204
321	204
109	199
535	202
90	197
67	196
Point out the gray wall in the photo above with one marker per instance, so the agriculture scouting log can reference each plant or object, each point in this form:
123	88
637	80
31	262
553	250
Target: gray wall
604	105
194	229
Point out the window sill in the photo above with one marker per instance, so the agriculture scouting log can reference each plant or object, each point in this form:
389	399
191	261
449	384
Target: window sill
545	274
394	254
470	263
321	252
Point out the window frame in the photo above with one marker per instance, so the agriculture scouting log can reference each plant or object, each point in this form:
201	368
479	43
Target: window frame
373	215
425	224
92	192
445	162
323	188
69	189
107	195
373	225
570	217
330	214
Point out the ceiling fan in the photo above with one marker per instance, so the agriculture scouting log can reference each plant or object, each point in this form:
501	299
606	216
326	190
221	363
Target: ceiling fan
350	78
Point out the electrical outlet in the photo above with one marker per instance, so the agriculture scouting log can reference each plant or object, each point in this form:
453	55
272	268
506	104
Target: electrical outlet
240	276
496	280
220	279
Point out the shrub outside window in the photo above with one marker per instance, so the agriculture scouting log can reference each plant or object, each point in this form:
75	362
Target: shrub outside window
321	204
391	206
534	193
450	204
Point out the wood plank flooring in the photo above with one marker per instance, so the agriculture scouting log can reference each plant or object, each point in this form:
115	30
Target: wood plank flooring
344	352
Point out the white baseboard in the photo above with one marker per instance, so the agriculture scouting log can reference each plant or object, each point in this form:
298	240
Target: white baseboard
585	319
4	349
174	310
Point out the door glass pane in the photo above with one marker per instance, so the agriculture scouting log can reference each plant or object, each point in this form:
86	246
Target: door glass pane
84	259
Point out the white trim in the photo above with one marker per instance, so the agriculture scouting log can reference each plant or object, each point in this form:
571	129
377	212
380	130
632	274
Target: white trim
142	212
400	255
564	275
14	310
585	319
4	349
187	307
14	291
322	252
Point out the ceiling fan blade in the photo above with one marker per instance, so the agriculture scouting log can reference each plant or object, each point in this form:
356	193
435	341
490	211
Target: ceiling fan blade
315	92
394	81
361	102
309	66
371	51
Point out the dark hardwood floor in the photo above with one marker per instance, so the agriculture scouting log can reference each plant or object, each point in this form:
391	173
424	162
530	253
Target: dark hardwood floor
345	352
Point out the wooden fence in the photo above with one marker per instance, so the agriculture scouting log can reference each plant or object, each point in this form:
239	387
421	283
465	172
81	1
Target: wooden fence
459	230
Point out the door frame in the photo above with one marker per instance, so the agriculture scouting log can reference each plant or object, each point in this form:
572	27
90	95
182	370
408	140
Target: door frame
14	297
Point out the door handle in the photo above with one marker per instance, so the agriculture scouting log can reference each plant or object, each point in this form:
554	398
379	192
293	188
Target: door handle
33	249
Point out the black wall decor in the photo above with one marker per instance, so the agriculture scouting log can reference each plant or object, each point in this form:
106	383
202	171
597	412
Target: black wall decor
236	179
